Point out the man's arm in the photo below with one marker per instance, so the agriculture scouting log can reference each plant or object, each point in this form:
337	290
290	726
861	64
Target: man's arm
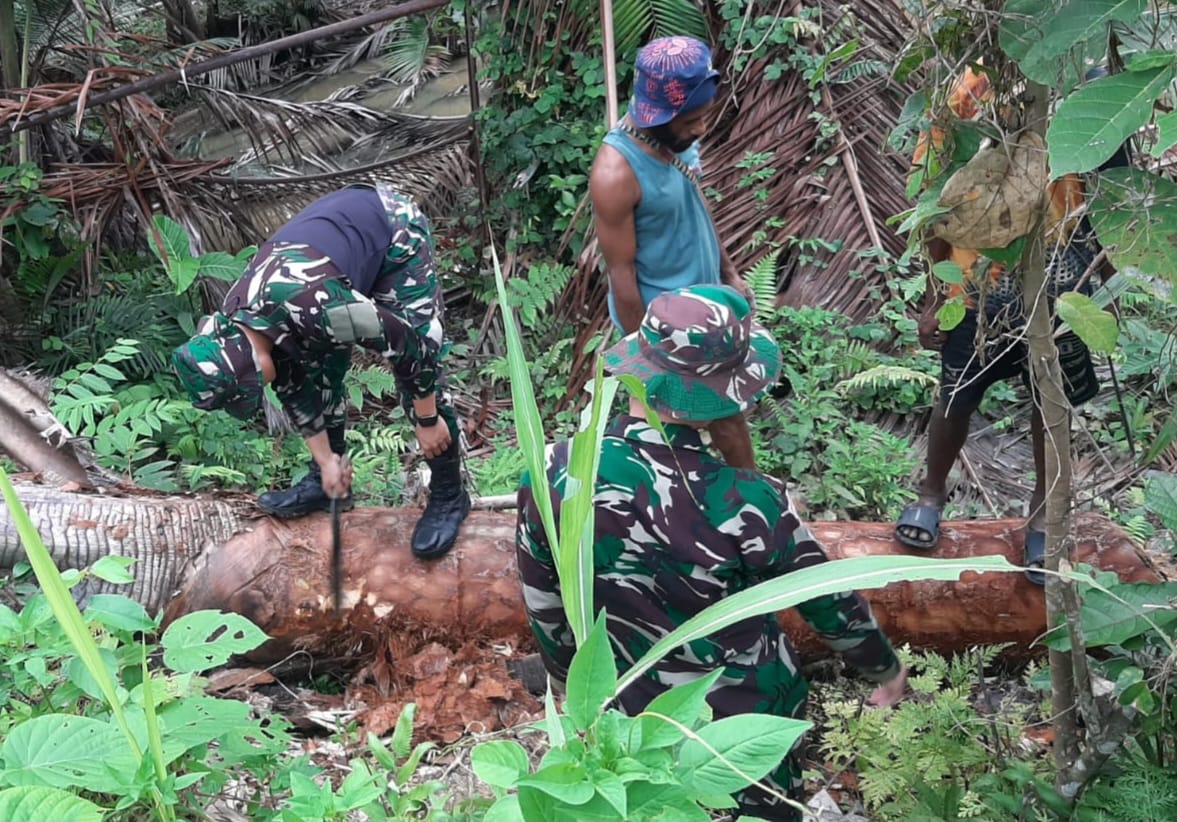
615	194
844	621
930	335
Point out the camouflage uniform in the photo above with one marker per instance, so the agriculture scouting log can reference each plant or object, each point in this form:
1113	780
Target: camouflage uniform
677	529
298	298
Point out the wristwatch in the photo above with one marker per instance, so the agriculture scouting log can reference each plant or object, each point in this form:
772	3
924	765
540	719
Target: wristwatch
426	422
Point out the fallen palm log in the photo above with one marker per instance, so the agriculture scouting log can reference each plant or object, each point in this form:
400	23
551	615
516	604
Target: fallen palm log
277	574
206	552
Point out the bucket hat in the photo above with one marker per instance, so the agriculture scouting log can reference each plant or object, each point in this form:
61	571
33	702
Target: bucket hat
699	353
673	75
217	368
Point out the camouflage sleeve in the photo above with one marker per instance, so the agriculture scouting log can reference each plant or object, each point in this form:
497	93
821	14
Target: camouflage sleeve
541	586
350	318
312	392
410	266
844	621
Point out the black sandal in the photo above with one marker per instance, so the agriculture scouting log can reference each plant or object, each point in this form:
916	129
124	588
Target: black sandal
924	517
1035	556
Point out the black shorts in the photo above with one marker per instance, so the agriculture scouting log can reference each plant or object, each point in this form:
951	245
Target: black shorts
966	372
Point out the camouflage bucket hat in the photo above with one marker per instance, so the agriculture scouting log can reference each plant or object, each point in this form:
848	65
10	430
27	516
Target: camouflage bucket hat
699	354
217	368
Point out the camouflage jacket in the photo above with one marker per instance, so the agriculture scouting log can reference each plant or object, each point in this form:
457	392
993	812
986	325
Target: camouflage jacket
677	529
297	297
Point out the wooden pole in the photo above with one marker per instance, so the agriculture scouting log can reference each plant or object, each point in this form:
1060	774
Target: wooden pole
610	58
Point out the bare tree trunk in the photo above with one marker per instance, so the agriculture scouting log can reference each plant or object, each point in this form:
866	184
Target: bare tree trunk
183	24
9	46
196	553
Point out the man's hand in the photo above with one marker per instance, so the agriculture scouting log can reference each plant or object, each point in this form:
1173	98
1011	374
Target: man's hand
434	439
890	693
931	337
337	476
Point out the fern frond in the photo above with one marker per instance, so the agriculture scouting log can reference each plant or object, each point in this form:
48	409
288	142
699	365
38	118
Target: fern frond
859	69
761	278
882	377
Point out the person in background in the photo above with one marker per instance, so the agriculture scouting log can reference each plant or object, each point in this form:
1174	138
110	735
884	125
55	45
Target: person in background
355	267
988	345
678	529
653	225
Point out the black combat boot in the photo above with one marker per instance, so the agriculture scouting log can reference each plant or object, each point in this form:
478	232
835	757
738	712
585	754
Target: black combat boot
306	495
448	506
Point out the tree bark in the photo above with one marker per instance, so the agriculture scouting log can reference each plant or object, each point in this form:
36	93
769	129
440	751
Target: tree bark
197	553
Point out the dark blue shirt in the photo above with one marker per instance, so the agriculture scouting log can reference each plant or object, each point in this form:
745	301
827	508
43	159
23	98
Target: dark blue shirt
351	227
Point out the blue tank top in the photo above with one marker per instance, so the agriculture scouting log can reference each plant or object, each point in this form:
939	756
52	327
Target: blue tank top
351	227
676	242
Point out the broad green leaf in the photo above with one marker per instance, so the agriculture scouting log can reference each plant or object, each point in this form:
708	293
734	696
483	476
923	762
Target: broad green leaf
1071	25
1134	214
220	266
665	803
927	207
567	782
35	804
204	639
506	809
60	751
1096	327
948	271
611	789
1153	58
1160	497
171	243
195	721
1008	255
591	677
184	273
731	753
78	672
1109	621
119	613
951	314
684	703
1166	134
113	568
10	625
1091	124
790	590
553	721
500	763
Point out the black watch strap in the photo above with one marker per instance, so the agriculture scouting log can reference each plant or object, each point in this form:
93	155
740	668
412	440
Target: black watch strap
427	422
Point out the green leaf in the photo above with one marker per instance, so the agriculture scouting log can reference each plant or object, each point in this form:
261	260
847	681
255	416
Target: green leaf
60	751
790	590
948	271
171	241
33	804
220	266
1153	58
683	703
1073	24
611	789
1134	214
1008	255
1092	123
119	613
951	314
184	273
204	639
1115	617
1164	439
927	207
732	752
1166	134
500	763
566	782
402	733
1160	497
506	809
591	677
113	568
1095	327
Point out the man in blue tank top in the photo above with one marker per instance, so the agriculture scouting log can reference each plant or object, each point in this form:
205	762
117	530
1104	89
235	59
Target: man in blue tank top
653	226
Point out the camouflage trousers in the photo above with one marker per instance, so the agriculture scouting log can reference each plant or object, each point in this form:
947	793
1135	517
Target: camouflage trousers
296	289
